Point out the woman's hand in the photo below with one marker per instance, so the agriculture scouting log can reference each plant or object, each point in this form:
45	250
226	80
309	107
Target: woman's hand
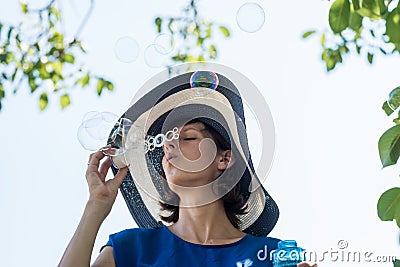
102	192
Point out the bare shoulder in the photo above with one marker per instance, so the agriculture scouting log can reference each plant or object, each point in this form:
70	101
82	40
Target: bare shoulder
105	258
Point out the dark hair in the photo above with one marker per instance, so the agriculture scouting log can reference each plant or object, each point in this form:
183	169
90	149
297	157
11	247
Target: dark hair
233	200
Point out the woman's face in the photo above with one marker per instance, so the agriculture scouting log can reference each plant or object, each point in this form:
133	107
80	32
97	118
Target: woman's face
193	159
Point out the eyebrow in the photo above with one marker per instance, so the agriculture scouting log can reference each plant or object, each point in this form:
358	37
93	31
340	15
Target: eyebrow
192	128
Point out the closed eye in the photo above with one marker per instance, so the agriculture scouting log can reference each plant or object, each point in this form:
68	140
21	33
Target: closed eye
189	138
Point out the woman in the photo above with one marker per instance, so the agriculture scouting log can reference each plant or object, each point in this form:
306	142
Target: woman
216	212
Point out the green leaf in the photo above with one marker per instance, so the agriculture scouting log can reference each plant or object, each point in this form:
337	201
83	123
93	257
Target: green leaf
397	120
370	58
69	58
57	38
344	49
57	67
208	31
339	15
370	9
171	30
31	83
225	31
158	22
383	51
358	49
65	101
307	34
84	80
393	25
389	205
356	4
389	146
10	31
24	7
388	110
355	20
331	58
201	58
80	45
109	86
179	57
213	52
2	93
43	101
323	39
55	12
100	86
200	41
396	263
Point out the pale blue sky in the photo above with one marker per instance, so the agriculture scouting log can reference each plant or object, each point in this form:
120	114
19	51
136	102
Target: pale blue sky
326	176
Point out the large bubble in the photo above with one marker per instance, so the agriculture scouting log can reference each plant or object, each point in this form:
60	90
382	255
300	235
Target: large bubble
95	129
155	56
126	49
250	17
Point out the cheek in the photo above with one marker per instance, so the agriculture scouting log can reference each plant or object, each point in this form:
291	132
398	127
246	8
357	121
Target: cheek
190	152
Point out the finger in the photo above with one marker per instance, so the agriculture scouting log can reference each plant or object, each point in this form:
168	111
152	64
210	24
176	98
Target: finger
116	182
104	167
94	161
96	157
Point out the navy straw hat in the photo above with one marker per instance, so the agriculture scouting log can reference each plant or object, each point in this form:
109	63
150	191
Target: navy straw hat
173	103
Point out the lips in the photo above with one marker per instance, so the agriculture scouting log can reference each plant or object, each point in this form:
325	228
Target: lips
169	157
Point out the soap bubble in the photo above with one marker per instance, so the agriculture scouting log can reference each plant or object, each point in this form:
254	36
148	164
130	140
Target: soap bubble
95	128
126	49
153	57
205	79
250	17
99	129
164	43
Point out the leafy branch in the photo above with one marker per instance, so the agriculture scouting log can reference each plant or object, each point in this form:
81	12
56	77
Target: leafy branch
37	55
363	27
191	35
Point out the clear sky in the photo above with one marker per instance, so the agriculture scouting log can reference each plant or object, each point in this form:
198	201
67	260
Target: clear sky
326	176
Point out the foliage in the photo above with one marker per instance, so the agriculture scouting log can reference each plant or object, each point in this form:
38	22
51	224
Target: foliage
191	35
37	55
368	27
364	27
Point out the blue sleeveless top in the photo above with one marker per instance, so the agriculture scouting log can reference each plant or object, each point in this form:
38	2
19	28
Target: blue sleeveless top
159	247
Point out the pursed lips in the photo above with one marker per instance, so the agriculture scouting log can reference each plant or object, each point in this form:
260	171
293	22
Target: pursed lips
169	157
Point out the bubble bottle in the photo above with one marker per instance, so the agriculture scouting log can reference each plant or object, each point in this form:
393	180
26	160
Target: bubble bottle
288	254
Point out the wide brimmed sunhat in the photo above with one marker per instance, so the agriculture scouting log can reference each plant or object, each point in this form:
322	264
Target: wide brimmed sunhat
214	100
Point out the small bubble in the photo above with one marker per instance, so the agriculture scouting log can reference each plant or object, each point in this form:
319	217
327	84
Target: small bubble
153	57
207	79
126	49
164	43
204	79
250	17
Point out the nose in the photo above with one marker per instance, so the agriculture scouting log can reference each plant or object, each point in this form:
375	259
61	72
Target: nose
169	145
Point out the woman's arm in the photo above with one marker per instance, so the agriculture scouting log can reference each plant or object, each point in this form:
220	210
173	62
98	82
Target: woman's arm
102	197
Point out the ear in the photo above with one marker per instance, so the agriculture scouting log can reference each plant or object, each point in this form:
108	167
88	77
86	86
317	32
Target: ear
225	160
